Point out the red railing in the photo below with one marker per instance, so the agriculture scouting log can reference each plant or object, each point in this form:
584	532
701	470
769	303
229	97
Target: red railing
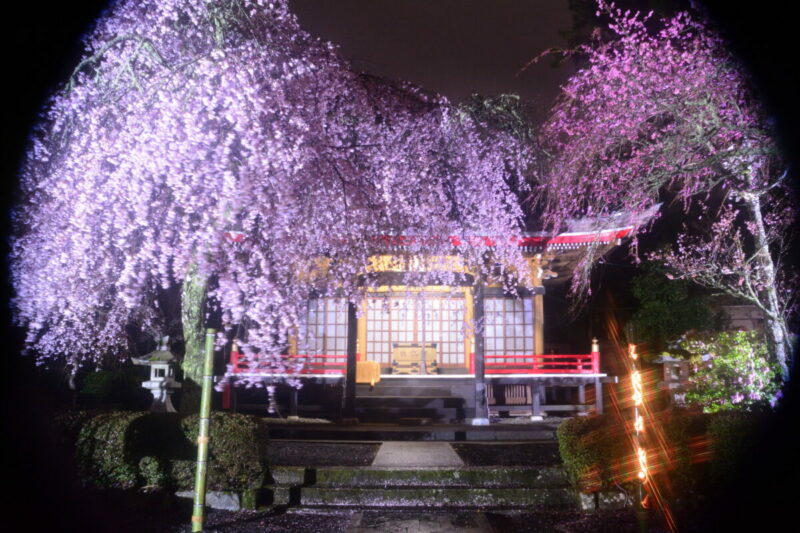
314	364
494	364
539	364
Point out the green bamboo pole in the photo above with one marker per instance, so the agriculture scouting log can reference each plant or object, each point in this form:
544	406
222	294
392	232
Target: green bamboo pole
198	513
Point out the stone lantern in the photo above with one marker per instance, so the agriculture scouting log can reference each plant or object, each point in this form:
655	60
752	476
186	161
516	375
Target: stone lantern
162	381
676	378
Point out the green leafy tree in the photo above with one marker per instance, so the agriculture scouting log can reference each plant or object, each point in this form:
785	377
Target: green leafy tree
667	309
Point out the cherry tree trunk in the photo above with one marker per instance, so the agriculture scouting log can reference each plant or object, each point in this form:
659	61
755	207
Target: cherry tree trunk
775	324
193	298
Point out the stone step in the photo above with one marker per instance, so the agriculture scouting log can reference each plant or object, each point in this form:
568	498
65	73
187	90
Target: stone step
429	380
367	431
430	402
449	477
423	382
438	497
393	414
365	391
480	476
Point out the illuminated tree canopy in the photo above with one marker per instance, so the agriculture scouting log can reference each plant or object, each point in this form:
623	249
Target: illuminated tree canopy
663	112
188	122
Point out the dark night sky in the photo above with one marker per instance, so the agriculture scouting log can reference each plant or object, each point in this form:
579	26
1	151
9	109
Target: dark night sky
453	47
456	47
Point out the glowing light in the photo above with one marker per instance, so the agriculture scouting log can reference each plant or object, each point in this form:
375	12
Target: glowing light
659	460
642	456
636	383
632	351
638	425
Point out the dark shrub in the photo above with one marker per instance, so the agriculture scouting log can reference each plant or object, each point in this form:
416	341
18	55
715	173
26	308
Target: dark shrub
734	440
685	474
704	456
104	453
121	388
68	425
132	449
589	447
237	452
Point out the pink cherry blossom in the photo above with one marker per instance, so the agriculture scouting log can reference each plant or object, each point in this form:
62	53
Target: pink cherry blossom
188	122
663	112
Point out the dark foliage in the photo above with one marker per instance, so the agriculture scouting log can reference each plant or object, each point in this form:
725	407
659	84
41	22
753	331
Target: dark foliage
667	309
118	388
126	450
588	448
733	437
705	456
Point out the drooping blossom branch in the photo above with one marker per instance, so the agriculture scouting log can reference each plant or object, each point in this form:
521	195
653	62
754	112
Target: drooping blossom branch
190	121
664	112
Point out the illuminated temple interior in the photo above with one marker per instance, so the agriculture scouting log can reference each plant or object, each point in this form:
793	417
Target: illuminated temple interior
438	317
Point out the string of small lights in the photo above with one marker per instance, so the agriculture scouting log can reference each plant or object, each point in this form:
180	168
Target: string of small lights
638	426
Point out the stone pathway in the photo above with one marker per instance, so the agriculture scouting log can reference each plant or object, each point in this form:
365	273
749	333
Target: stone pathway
417	454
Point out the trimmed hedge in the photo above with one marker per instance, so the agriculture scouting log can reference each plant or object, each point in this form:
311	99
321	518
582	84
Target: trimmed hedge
681	428
133	449
595	449
588	447
68	425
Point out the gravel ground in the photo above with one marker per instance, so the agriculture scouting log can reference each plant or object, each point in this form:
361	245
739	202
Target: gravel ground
531	453
157	512
271	521
305	453
623	521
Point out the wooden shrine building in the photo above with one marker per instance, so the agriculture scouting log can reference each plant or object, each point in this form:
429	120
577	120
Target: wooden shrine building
412	353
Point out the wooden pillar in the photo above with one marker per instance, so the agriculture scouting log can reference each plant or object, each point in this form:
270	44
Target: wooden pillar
598	396
481	407
293	392
581	394
538	323
349	403
536	402
228	393
538	306
469	338
226	396
361	345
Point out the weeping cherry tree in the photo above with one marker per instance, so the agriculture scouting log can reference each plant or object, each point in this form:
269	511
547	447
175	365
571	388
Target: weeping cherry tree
663	112
216	150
